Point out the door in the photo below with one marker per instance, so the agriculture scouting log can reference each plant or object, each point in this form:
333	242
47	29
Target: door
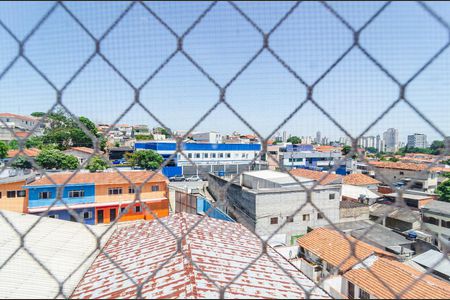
112	214
100	217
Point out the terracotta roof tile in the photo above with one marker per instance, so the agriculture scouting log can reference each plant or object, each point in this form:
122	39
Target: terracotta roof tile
104	178
32	152
83	149
324	177
21	117
332	247
326	148
359	179
397	276
220	249
398	165
22	134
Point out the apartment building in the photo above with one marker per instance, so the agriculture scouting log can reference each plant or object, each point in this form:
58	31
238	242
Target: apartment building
99	197
436	217
417	140
264	200
13	197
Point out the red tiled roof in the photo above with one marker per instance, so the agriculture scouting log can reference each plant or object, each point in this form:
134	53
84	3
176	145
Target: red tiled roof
83	149
324	177
26	118
398	277
32	152
104	178
22	134
220	249
326	148
359	179
332	247
398	165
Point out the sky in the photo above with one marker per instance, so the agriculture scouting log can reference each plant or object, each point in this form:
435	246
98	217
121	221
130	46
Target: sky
355	92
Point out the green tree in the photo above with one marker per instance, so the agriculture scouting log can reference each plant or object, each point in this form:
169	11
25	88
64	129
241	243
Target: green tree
443	189
294	140
38	114
437	147
116	144
22	162
34	142
146	159
394	159
446	162
13	145
97	163
3	150
55	159
141	137
372	150
161	130
346	150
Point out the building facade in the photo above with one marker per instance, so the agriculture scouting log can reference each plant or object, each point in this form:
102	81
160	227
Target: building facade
417	140
99	197
436	218
390	138
13	197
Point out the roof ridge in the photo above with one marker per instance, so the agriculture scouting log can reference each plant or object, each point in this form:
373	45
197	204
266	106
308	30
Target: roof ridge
191	287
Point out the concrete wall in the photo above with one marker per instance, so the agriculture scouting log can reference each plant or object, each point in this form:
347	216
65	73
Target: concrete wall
17	204
439	230
393	175
354	214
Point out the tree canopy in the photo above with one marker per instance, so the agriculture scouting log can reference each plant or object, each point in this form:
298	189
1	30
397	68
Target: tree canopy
346	150
146	159
38	114
97	163
3	150
294	140
55	159
161	130
22	162
443	189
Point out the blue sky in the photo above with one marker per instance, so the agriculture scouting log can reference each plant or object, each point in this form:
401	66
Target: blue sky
355	92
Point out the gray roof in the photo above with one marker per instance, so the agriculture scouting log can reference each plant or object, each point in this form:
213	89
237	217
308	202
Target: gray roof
430	258
409	196
17	178
438	206
61	245
394	212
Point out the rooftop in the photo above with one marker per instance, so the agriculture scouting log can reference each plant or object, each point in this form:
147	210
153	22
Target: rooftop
359	179
324	177
399	165
83	149
438	206
31	152
61	245
395	212
21	117
355	191
221	250
351	204
409	196
334	247
103	178
398	277
431	258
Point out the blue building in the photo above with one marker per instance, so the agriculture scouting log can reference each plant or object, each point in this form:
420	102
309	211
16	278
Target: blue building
40	197
205	155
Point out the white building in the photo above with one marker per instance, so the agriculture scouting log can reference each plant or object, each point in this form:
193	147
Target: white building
390	138
417	140
207	137
436	218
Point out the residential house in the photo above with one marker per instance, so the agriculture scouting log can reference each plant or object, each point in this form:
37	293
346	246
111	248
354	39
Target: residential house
352	211
81	153
381	278
221	251
436	219
422	178
99	197
13	197
361	180
438	263
265	200
397	218
324	178
31	152
410	198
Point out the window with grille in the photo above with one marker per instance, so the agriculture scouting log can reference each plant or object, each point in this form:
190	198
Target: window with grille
430	220
305	217
45	195
274	220
363	294
137	209
155	188
289	219
20	194
11	194
114	191
76	194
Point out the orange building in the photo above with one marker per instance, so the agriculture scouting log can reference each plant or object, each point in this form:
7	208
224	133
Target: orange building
103	197
13	196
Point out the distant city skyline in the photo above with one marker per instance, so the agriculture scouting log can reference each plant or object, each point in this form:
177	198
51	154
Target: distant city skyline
355	92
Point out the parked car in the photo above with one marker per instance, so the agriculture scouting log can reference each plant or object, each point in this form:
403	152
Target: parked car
177	178
194	178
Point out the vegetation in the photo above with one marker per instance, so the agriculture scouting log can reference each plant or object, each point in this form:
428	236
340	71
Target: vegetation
22	162
446	162
3	150
372	150
393	159
146	159
346	150
294	140
443	189
143	137
38	114
161	130
97	163
13	145
55	159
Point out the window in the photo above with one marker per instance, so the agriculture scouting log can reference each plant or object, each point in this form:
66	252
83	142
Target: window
319	215
131	190
228	155
155	188
274	220
197	155
11	194
122	210
76	194
332	196
363	294
289	219
213	155
54	216
402	173
220	155
44	195
351	290
87	215
0	194
445	224
430	220
205	155
114	191
243	155
189	155
306	217
19	194
137	209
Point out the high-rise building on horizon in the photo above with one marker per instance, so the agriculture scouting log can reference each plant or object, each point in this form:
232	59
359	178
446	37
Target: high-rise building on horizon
318	137
390	137
417	140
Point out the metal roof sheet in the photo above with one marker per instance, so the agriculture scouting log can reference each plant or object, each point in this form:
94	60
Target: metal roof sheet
431	257
61	246
220	249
